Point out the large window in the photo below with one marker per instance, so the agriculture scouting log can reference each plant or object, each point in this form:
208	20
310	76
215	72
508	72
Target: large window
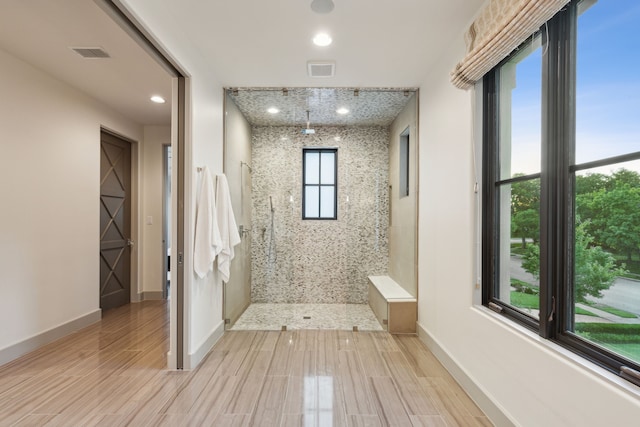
561	207
320	196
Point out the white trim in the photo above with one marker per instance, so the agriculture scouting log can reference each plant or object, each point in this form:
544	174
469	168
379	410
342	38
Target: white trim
194	359
18	349
496	414
565	354
151	296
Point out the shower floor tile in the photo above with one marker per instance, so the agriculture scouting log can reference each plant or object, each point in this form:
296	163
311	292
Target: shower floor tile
272	317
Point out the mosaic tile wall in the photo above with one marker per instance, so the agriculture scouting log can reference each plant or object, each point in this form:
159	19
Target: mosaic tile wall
311	261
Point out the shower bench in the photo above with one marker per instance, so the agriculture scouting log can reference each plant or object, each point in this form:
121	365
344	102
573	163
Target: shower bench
395	308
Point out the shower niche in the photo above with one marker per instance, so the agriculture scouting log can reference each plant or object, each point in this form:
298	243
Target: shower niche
295	272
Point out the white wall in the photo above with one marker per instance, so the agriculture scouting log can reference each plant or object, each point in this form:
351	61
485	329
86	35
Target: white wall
49	196
203	323
204	303
152	172
534	382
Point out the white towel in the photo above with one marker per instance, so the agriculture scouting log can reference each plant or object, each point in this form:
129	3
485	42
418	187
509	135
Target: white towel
227	226
208	242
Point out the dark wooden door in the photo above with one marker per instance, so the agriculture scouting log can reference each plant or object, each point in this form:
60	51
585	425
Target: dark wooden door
115	221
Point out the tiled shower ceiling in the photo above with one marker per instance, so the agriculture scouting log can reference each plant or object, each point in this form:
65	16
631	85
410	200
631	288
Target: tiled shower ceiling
367	107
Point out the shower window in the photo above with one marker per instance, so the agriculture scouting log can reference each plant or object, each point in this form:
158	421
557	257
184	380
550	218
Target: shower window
404	163
320	179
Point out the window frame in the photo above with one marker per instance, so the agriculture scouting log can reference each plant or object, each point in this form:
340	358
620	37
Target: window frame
557	188
404	162
320	150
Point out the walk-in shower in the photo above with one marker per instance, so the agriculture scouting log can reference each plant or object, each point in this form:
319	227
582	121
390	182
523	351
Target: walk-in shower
312	272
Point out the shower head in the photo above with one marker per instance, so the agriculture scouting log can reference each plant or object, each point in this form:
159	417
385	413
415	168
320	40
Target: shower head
308	130
322	6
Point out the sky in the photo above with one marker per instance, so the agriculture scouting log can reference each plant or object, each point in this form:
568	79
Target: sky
608	90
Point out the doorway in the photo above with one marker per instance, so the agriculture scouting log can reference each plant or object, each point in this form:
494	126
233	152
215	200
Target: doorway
115	221
135	30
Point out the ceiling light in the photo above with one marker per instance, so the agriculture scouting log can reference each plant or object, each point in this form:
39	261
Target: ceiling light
157	99
342	110
322	6
273	110
322	39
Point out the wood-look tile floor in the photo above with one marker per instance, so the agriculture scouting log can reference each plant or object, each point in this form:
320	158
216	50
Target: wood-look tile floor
114	373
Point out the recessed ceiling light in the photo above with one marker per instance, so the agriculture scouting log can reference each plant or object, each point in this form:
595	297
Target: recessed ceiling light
157	99
322	39
273	110
342	110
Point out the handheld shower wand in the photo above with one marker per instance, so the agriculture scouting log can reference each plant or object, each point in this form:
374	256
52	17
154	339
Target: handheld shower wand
308	130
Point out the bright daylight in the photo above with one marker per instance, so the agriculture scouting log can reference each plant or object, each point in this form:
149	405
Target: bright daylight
606	252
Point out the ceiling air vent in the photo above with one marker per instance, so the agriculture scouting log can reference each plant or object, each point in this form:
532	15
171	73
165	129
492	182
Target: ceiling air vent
321	68
91	52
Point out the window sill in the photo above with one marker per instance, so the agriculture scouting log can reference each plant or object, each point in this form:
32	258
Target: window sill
558	351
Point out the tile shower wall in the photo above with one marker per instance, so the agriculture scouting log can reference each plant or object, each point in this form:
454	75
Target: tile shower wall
318	261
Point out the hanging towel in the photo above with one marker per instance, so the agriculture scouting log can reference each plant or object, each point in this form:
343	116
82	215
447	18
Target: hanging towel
227	226
208	242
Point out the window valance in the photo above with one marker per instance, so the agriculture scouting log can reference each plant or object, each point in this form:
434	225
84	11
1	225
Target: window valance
500	28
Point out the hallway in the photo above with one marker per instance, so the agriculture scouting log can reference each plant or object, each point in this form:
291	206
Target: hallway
112	373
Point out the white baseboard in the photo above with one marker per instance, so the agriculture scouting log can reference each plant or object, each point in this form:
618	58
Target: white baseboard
16	350
475	391
194	359
151	296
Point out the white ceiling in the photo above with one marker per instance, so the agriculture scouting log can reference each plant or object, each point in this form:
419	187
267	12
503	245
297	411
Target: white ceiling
267	43
40	32
248	43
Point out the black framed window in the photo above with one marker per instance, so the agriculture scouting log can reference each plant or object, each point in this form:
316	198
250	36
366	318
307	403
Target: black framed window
561	184
320	183
404	163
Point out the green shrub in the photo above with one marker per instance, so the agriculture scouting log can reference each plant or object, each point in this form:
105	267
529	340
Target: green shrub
609	332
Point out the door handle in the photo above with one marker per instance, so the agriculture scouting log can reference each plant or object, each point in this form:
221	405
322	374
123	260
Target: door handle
130	242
